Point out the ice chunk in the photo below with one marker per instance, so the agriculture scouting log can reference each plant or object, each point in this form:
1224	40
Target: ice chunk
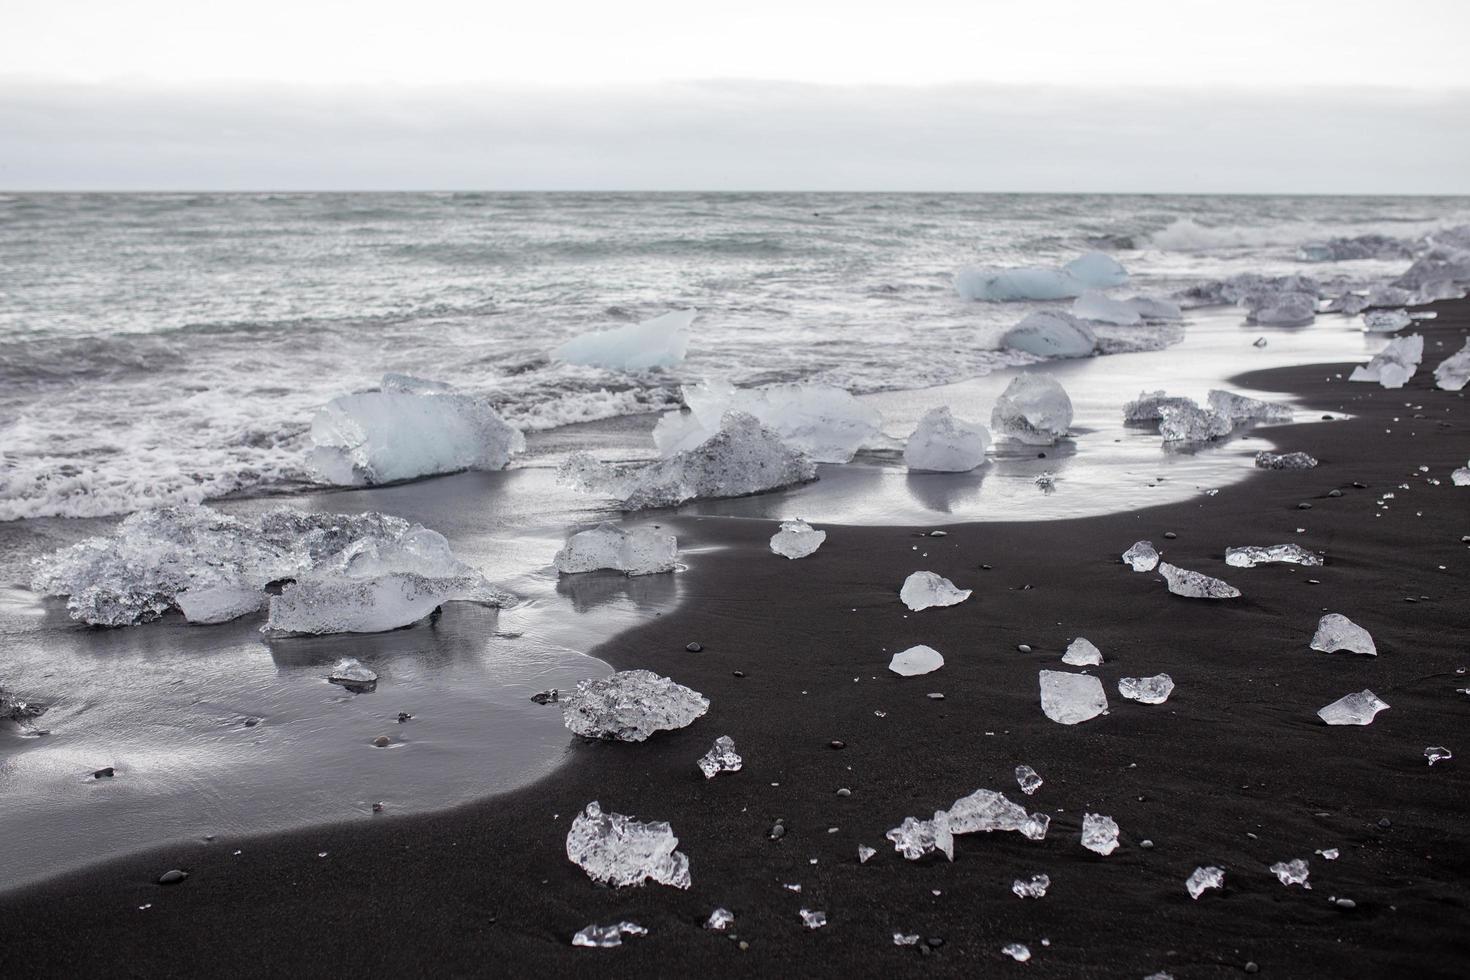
923	590
1147	690
1395	364
1372	246
797	539
1194	585
1082	653
744	457
1249	556
1241	408
1016	951
1358	708
1336	632
641	551
1183	425
1283	309
987	811
1099	833
1028	779
1386	321
618	850
1035	888
1438	271
1434	753
825	422
352	674
865	853
1051	333
219	602
1284	461
1203	879
1142	557
658	343
1005	285
1069	699
606	937
1349	303
1454	371
944	444
1153	310
914	838
13	708
1097	270
1093	305
1293	872
915	661
1149	406
383	436
1033	409
719	920
905	939
720	758
630	705
813	919
1460	477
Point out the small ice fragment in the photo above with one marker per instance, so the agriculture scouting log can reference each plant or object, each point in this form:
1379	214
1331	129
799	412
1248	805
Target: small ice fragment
942	443
1035	888
1082	653
1183	426
1453	372
1241	408
720	758
915	661
661	342
619	850
719	920
1336	632
1028	779
813	919
1069	699
915	838
1203	879
1034	409
349	673
1284	461
1293	872
905	939
797	539
1386	321
1016	951
1149	406
1147	690
922	590
606	937
1099	833
1249	556
1142	557
1460	477
1437	753
1395	364
1330	854
1358	708
630	705
1194	585
988	811
864	853
641	551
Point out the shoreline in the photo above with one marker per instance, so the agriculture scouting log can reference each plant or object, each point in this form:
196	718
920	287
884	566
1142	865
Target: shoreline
1235	751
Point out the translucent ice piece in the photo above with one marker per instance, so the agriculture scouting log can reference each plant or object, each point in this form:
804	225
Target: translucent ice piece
905	939
1183	426
1082	653
1454	371
813	919
1035	888
641	551
1336	632
1395	364
618	850
1194	585
1094	305
1283	309
630	705
350	673
915	661
864	853
1051	333
1097	270
1147	690
220	602
606	937
944	444
1155	310
986	811
1460	477
1248	556
660	342
1016	951
1142	557
720	758
1070	699
823	421
1028	779
923	590
797	539
1149	406
1203	879
1099	833
1284	461
15	709
1006	285
1358	708
1034	409
1293	872
1434	753
1386	321
915	838
719	920
1242	408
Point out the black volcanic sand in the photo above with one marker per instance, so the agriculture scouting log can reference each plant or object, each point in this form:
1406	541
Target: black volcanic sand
1234	770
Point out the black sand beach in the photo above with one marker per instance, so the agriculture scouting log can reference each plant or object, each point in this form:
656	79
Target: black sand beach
1235	770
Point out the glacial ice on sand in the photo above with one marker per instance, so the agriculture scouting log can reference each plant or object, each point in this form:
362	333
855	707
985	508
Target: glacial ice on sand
1203	879
1182	426
1284	461
813	918
1082	652
1434	753
1028	779
1016	951
630	705
1249	556
660	342
1141	556
1051	333
1386	321
1460	477
923	590
721	757
352	674
1293	872
1358	708
378	437
1070	699
1097	306
1336	632
618	850
915	838
1454	371
1283	309
720	920
824	422
986	811
1033	409
1395	364
1147	690
1035	888
915	661
797	539
1242	408
1094	270
1099	833
1149	406
744	457
641	551
942	443
1195	585
606	937
1097	270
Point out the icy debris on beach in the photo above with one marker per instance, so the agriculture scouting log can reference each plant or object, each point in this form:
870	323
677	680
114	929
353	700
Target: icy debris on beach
1099	833
915	838
1082	652
942	443
1149	406
1242	408
618	850
1336	632
813	918
1186	425
352	674
1249	556
641	551
1093	270
630	705
1454	371
797	539
744	457
661	342
915	661
1395	364
1284	461
1460	476
1386	321
1034	409
824	422
1434	753
606	937
1203	879
1141	556
1281	309
1070	699
1147	690
721	757
1035	888
1016	951
1051	333
1358	708
17	710
1293	872
1371	246
720	920
1097	270
924	590
1101	308
986	811
1195	585
1349	303
403	432
1028	779
1248	288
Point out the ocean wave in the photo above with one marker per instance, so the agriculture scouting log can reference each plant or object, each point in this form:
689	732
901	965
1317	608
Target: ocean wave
1189	235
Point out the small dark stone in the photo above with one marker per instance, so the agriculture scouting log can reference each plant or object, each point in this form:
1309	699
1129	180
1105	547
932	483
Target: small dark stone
778	831
405	716
172	877
1303	506
837	743
103	773
1327	418
738	673
1041	455
1170	535
251	722
694	647
1251	967
935	941
1385	823
545	697
377	808
382	741
1334	493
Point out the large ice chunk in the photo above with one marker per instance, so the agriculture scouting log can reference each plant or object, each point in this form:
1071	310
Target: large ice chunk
986	811
1004	285
1250	556
1358	708
1051	333
915	661
1154	310
1454	371
1336	632
1142	556
1069	699
1183	426
1149	406
1082	652
825	422
914	838
1283	309
1099	307
1242	408
618	850
383	436
1195	585
1386	321
1097	270
944	444
641	551
1371	246
744	457
1147	690
1099	833
1395	364
1033	409
797	539
658	343
923	590
630	705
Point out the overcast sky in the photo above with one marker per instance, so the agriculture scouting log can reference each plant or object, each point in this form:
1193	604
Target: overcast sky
1132	95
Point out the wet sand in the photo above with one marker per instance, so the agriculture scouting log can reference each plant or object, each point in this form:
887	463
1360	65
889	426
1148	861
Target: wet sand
1234	770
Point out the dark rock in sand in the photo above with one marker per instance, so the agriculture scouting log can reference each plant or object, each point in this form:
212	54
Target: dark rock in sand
104	773
172	877
694	647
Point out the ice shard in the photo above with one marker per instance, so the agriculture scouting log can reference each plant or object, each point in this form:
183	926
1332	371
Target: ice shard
1242	408
813	919
1195	585
1386	321
797	539
1395	364
1099	833
606	937
986	811
1358	708
630	705
823	421
1284	461
1142	557
1149	406
721	757
915	661
1335	632
1016	951
352	674
1434	753
915	838
1282	309
641	551
1051	333
1454	371
944	444
1203	879
1183	426
1147	690
720	920
1034	409
1069	699
1248	556
13	708
1035	888
617	850
1081	652
661	342
1028	779
1293	872
924	590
